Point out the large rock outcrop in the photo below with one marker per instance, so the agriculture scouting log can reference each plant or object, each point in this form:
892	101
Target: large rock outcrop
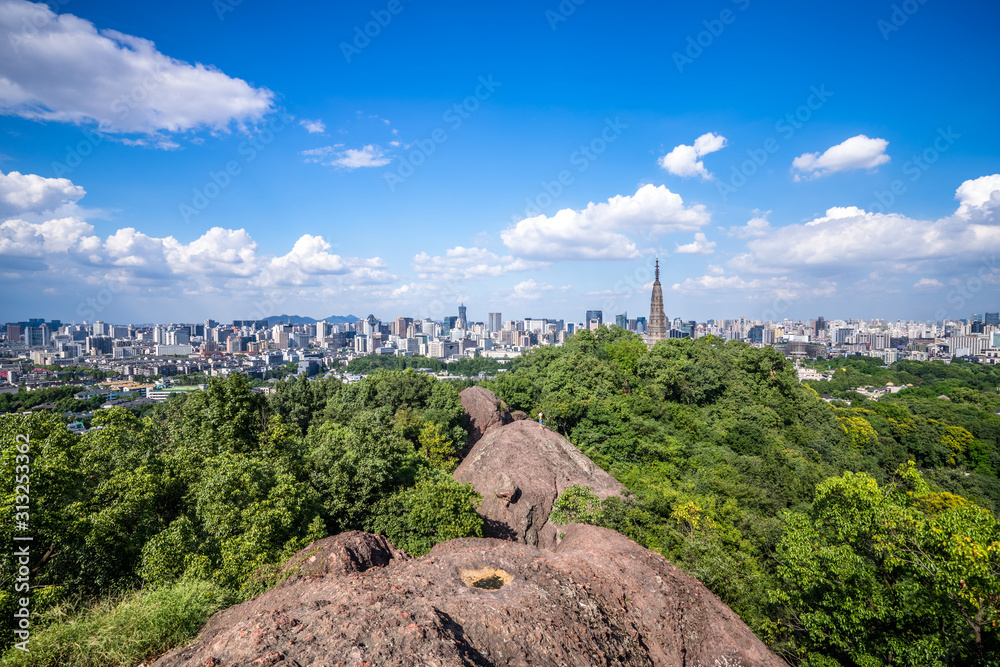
520	469
483	413
597	599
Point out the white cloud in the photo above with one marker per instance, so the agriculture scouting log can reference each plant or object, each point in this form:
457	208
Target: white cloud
978	193
67	247
756	226
683	159
464	263
700	246
877	251
19	238
348	158
29	192
59	67
310	260
860	152
528	290
600	230
313	126
718	282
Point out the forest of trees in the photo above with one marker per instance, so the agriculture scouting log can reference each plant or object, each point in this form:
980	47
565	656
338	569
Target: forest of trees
854	535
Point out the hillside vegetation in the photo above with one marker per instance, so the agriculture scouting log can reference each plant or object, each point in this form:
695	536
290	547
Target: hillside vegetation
843	535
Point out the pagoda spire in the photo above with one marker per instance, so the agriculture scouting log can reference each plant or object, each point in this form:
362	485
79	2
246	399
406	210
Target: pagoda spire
657	319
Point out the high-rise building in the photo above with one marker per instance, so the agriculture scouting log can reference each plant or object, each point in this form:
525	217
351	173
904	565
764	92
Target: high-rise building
494	322
37	336
657	319
594	315
621	321
992	318
820	327
462	323
14	333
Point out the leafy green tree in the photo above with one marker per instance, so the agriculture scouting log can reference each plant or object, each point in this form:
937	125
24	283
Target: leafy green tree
434	510
437	447
871	579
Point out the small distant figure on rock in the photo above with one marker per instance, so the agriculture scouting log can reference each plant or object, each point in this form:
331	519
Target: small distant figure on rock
540	425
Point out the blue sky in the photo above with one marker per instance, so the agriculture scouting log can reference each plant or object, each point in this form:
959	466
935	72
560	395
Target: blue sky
229	159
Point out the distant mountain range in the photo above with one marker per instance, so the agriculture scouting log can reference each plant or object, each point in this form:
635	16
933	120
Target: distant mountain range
298	319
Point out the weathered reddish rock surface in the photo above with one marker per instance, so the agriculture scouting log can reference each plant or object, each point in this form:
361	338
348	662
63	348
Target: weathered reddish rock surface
520	469
597	599
483	413
343	554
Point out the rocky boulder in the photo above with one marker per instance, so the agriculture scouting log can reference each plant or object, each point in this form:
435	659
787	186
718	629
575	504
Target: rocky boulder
343	554
520	469
598	598
483	413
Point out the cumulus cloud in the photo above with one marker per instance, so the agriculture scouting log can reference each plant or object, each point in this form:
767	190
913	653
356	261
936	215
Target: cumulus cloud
369	155
29	192
978	194
756	226
19	238
464	263
64	69
528	290
683	159
880	252
700	246
310	260
860	152
600	231
313	126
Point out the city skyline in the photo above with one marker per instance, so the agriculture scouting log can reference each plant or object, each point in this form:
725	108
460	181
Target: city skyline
223	160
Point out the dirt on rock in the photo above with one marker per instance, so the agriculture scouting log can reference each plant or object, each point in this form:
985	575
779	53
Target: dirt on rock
520	469
596	599
483	413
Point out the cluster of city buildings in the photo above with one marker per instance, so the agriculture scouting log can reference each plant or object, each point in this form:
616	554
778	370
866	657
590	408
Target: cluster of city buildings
255	347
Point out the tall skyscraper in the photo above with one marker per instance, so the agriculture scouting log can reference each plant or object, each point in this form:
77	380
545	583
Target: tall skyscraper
657	320
594	315
463	323
495	322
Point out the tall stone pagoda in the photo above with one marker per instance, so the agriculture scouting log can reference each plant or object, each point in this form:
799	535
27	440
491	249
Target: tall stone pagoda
657	320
